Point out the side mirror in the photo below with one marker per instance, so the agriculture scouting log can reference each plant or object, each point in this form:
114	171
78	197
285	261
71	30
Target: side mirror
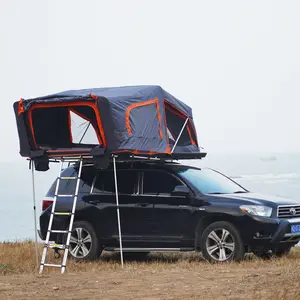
181	190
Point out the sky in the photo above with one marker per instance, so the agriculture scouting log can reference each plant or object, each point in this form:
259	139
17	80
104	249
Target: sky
236	63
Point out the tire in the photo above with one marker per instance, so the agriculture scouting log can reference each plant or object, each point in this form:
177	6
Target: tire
84	243
284	250
221	242
264	254
277	252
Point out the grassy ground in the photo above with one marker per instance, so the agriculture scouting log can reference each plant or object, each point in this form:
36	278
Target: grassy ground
159	276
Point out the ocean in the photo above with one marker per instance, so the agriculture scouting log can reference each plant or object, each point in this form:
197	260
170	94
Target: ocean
272	174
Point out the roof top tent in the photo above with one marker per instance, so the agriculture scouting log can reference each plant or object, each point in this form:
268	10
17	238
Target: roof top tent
143	120
103	124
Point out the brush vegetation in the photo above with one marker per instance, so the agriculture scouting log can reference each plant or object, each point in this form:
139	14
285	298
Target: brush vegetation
155	276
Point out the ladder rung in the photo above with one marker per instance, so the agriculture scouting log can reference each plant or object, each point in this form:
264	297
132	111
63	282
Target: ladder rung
65	195
52	265
57	213
70	160
59	231
67	178
61	246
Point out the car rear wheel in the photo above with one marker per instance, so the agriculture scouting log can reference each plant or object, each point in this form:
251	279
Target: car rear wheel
221	242
84	243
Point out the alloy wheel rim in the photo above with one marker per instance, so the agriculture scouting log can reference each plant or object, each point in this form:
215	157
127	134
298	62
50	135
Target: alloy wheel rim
220	244
80	242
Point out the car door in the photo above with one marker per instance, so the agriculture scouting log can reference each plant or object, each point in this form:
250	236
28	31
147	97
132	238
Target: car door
170	214
103	198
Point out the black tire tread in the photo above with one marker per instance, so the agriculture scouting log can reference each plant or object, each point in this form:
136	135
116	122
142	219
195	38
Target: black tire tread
239	252
277	252
96	249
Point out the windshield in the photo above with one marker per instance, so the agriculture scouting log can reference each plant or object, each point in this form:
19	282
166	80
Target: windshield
208	181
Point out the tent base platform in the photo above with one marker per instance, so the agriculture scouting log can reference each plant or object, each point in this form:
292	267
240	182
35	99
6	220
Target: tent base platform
101	160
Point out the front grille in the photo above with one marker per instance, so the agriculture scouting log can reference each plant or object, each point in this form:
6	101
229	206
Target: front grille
288	211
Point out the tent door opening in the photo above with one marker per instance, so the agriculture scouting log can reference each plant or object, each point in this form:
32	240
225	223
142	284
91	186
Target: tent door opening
180	130
67	125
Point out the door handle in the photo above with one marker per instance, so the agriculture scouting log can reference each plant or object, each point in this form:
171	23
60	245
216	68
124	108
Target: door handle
183	206
93	202
142	204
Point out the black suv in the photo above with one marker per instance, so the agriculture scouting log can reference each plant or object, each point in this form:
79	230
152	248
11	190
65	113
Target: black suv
168	206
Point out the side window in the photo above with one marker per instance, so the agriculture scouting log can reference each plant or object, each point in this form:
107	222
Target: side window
156	182
105	182
87	177
127	181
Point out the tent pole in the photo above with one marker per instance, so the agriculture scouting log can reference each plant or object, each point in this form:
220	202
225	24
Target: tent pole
34	214
180	133
85	132
118	209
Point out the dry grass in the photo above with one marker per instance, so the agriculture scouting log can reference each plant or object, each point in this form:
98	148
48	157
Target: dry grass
160	276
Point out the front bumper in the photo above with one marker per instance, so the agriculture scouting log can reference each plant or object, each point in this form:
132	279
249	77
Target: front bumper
284	234
271	231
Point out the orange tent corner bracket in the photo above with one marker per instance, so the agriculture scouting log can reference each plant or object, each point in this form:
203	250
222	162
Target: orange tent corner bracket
94	97
20	107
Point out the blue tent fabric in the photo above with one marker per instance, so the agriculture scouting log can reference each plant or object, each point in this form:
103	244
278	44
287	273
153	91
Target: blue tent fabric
118	94
133	119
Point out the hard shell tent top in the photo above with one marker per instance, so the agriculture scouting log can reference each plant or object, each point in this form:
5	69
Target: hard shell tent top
133	119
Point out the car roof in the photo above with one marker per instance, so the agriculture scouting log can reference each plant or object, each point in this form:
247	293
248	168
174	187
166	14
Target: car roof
126	165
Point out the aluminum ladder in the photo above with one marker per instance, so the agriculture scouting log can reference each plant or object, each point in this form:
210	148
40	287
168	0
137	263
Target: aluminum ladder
64	247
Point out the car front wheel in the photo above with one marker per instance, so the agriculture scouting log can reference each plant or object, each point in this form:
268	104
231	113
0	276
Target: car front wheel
221	242
281	251
277	252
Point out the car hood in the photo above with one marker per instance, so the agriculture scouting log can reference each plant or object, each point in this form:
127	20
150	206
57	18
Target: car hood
256	198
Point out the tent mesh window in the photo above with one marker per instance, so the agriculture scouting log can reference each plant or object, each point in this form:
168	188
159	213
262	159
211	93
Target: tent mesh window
65	127
175	120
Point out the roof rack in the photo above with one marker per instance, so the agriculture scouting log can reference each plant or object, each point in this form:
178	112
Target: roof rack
129	157
103	160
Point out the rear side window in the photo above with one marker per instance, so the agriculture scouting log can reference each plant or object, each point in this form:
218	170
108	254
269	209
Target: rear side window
157	182
87	177
68	186
105	183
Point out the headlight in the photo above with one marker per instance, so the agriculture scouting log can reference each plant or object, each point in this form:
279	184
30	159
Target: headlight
258	210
